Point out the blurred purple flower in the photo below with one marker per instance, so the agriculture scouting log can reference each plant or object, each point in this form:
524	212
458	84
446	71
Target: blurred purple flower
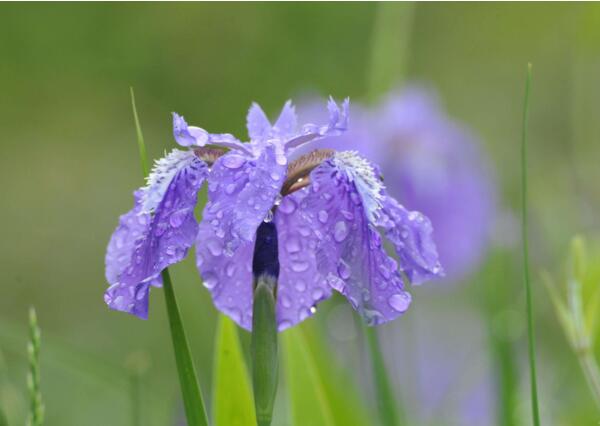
433	165
326	205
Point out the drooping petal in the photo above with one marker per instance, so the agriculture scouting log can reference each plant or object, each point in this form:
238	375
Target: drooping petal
172	227
223	258
188	135
349	251
195	136
338	123
301	287
411	233
285	126
257	123
133	299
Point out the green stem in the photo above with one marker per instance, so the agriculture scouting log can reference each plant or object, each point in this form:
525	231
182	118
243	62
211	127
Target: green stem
386	402
136	414
36	407
389	46
526	279
192	398
265	362
139	137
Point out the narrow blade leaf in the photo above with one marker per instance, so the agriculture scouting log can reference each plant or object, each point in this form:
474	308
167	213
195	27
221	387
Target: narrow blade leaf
233	404
306	390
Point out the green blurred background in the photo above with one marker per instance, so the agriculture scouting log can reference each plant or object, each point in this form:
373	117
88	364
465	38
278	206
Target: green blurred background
68	165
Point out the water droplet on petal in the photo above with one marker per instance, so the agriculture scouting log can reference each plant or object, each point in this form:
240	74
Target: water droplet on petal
300	285
317	294
340	231
292	244
287	205
176	219
230	269
400	302
343	270
285	301
323	216
229	189
214	247
299	266
304	313
210	281
313	309
233	161
275	176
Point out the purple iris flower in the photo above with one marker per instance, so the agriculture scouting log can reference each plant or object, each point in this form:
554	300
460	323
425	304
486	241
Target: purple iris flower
314	224
432	164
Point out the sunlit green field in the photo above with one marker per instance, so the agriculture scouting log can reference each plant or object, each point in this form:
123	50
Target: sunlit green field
459	356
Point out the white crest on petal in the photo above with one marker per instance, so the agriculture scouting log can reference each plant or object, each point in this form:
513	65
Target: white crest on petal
160	177
362	173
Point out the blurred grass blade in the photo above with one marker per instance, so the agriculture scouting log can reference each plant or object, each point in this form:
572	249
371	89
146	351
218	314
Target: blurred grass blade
188	380
386	402
306	391
36	406
233	403
389	46
524	222
140	137
3	421
265	362
339	384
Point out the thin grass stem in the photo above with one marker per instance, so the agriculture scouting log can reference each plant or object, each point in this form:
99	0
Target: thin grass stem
526	278
36	406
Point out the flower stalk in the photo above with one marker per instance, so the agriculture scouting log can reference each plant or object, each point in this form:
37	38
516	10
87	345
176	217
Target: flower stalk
36	407
265	362
526	280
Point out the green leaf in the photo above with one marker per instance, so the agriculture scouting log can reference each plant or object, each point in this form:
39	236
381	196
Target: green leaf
233	404
339	384
265	361
188	379
308	398
139	136
390	46
387	404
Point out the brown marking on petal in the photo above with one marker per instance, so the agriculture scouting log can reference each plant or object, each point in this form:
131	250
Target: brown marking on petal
208	155
299	170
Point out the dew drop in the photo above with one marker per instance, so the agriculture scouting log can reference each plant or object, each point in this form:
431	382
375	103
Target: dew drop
317	294
299	266
400	302
230	269
313	309
300	285
340	231
214	247
275	176
343	270
210	281
233	161
287	205
323	216
292	245
285	301
229	189
304	313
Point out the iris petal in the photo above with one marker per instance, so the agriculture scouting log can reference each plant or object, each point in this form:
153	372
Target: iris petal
301	286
